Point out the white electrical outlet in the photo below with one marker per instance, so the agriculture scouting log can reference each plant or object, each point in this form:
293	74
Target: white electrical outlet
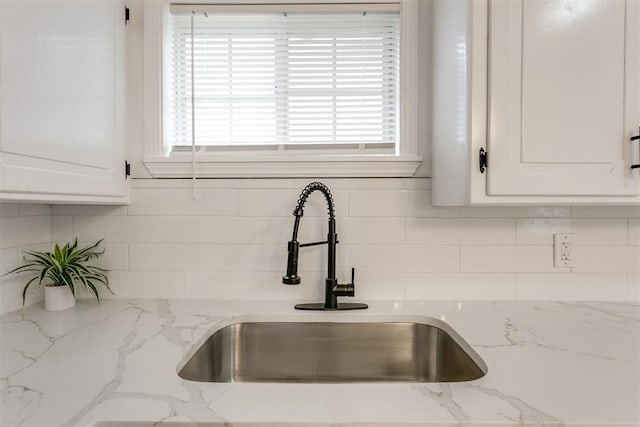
563	250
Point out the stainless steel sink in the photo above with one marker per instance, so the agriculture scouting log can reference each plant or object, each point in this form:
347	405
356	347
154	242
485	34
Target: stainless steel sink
334	352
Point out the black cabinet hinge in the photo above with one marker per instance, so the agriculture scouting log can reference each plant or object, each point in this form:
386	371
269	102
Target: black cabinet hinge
636	138
127	169
126	15
483	161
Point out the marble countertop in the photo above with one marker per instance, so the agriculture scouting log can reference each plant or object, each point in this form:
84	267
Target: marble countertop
549	362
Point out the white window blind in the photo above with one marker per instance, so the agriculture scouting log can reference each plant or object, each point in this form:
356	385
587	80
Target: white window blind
283	80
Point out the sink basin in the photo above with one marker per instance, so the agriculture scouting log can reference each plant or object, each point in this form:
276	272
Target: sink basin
334	352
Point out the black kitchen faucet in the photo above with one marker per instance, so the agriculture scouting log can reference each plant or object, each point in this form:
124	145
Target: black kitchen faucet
333	289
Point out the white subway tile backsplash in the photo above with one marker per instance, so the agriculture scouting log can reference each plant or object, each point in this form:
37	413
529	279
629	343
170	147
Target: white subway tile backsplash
145	284
418	184
463	286
9	209
633	283
508	259
231	243
182	257
313	229
576	287
26	226
9	259
311	287
396	203
540	231
460	231
129	228
62	229
269	258
283	202
16	231
242	230
378	286
605	211
115	256
418	204
515	212
600	231
633	236
179	201
236	285
607	259
402	259
370	231
88	210
33	209
596	231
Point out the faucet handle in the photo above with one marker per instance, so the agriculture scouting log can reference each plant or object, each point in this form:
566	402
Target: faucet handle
348	289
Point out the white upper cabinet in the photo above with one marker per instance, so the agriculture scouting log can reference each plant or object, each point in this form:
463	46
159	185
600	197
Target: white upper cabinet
552	93
62	109
561	100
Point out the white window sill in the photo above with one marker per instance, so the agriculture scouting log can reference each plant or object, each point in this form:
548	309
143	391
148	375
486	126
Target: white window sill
284	167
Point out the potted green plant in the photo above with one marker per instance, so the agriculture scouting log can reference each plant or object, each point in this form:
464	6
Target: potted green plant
61	270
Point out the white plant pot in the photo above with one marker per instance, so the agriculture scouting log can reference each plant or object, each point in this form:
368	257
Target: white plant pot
58	298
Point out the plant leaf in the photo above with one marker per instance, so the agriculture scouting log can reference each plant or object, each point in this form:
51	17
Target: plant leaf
24	291
102	279
40	257
44	273
95	291
85	255
26	267
69	282
58	254
79	276
94	267
65	251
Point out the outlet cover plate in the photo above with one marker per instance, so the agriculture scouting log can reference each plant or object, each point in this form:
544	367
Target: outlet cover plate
563	250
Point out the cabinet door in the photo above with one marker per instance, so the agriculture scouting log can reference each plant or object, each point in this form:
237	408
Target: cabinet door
564	97
61	106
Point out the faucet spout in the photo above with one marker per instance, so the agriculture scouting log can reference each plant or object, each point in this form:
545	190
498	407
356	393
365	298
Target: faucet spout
332	288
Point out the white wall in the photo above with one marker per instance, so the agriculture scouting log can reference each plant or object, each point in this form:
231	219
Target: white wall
231	243
21	227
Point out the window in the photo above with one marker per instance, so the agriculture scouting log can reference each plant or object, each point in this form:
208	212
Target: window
283	90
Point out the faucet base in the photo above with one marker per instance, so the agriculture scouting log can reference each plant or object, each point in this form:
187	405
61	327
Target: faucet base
343	306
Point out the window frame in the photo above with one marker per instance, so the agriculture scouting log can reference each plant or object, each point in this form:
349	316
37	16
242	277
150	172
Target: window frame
243	164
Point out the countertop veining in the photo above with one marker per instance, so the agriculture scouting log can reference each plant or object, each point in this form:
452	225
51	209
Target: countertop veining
549	362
